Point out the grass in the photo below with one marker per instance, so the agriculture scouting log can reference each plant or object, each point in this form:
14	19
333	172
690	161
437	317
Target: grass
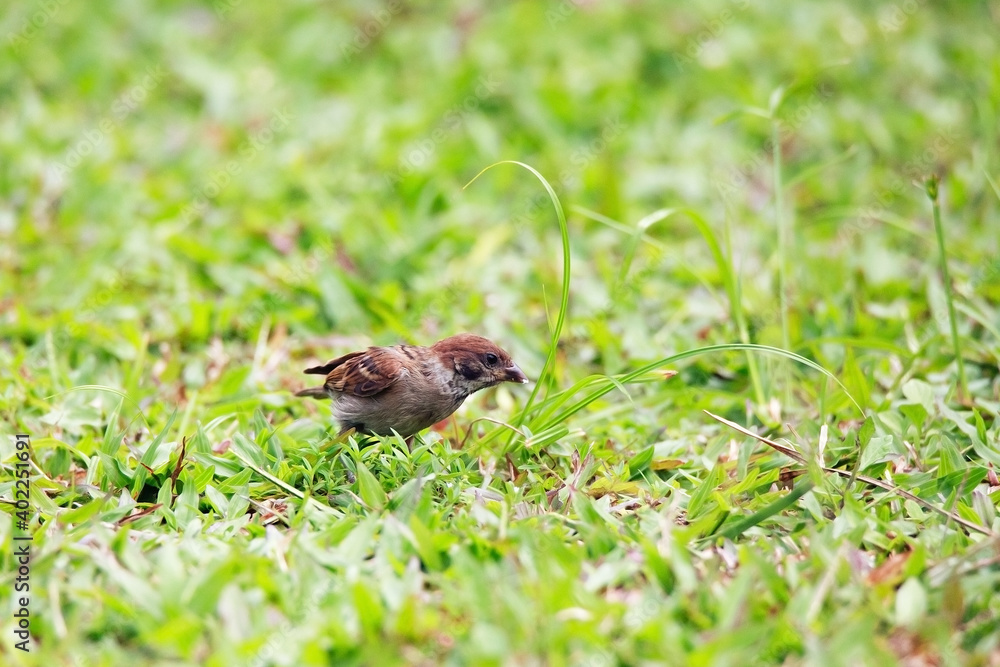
764	427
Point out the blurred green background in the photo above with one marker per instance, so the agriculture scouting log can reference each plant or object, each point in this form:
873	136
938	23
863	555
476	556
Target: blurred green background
199	199
177	171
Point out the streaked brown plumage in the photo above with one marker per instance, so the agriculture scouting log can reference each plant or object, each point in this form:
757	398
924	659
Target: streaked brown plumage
407	388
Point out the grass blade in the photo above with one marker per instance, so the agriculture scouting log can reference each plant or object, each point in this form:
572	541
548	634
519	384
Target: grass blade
550	359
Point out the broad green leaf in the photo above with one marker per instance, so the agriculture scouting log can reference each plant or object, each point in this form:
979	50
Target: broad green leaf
370	489
880	449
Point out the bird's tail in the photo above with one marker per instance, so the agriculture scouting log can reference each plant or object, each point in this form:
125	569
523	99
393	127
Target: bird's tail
314	392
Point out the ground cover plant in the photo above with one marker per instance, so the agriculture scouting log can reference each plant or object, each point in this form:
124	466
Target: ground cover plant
748	252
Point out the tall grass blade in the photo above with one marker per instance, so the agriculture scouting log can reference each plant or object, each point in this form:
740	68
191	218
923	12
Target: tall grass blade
550	359
931	187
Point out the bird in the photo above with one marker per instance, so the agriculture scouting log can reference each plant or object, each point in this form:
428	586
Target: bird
407	388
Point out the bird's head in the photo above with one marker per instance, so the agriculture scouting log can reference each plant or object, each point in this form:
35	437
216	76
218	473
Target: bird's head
477	362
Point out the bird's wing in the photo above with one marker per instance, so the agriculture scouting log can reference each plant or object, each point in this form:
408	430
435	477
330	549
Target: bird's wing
361	373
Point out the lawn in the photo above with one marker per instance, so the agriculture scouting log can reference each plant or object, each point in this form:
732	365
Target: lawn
748	254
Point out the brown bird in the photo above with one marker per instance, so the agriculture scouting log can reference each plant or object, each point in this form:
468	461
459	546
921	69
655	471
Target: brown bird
407	388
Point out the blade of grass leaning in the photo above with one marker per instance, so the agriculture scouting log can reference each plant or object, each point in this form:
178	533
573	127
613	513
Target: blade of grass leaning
550	358
811	171
553	402
854	342
112	439
646	238
636	239
981	319
737	528
728	347
733	292
993	184
931	188
550	415
872	481
142	470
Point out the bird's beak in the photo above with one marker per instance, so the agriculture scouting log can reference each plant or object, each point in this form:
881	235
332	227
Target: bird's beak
514	374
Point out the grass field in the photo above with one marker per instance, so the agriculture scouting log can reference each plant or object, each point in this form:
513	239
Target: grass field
784	215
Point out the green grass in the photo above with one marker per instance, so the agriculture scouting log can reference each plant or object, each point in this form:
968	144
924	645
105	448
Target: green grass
719	211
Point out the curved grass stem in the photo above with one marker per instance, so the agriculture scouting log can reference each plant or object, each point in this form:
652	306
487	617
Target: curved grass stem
550	360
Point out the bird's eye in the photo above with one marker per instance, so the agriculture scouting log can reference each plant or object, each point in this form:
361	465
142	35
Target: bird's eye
491	359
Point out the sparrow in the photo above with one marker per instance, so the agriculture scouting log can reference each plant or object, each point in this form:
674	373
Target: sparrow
406	388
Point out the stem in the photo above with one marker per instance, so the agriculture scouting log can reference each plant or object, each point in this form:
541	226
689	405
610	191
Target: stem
779	207
931	187
783	235
736	307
